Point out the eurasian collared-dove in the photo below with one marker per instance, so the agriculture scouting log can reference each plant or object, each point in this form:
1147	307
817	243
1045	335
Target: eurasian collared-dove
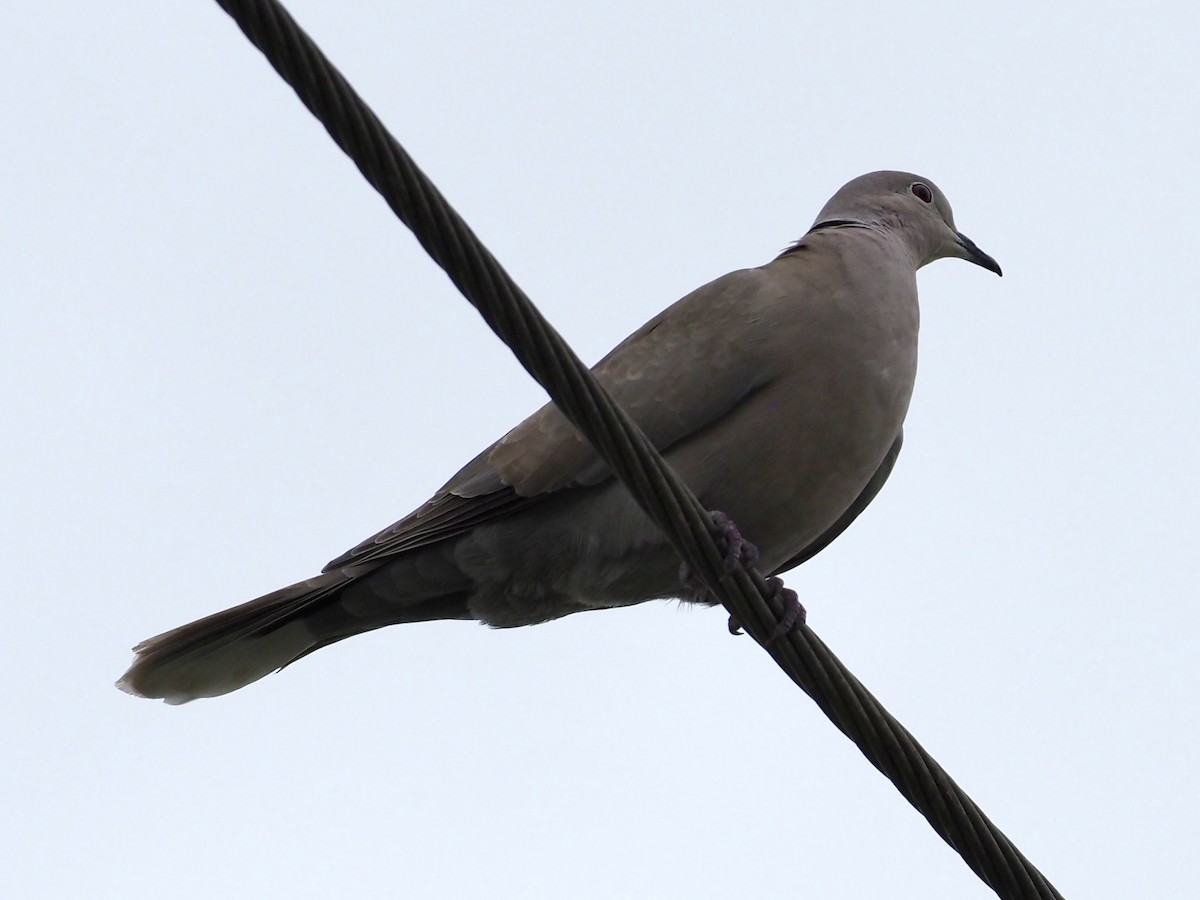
777	393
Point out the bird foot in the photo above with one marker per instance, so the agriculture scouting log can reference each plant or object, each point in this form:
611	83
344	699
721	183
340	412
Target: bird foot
792	617
794	614
735	548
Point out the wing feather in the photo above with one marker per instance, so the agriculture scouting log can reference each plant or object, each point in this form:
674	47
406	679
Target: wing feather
680	372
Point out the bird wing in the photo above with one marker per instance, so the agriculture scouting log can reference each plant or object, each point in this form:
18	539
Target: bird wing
683	370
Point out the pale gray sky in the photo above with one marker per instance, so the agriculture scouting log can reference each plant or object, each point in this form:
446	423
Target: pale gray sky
224	363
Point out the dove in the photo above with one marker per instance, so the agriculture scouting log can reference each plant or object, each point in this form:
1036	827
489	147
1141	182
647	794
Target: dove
778	393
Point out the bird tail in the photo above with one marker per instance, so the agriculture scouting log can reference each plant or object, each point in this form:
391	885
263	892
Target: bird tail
230	649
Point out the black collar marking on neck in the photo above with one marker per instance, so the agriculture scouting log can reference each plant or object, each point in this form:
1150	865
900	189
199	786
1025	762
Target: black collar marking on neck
824	225
839	223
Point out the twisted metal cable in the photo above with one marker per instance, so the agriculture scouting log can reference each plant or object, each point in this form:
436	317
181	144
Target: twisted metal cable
672	506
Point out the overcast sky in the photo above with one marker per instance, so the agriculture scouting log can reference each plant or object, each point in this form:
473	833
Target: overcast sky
224	362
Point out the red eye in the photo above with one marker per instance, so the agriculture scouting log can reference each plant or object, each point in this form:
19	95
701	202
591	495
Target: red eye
922	192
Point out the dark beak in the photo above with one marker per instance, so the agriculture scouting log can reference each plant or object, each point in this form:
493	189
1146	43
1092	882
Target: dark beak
977	256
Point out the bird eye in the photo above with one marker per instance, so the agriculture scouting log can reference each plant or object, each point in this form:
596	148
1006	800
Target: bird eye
922	192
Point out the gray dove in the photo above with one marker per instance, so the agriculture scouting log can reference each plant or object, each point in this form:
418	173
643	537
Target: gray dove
778	393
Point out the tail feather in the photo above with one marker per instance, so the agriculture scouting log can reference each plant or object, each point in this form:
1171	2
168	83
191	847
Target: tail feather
230	649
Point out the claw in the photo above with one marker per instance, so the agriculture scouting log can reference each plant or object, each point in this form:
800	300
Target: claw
737	548
794	613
